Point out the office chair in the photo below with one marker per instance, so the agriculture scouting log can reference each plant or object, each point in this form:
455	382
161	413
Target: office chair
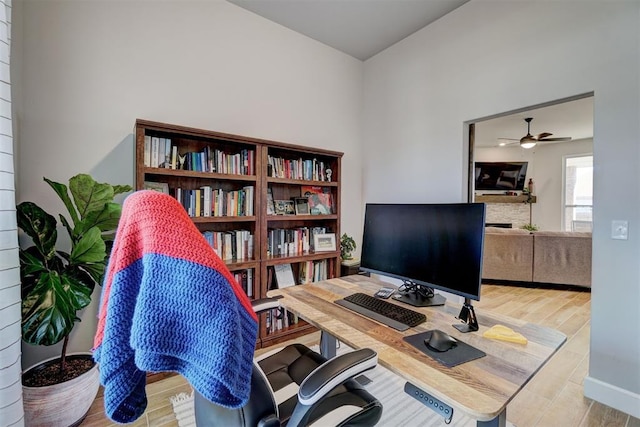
170	304
295	386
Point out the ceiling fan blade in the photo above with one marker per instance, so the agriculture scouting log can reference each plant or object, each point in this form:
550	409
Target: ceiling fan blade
543	135
507	141
558	139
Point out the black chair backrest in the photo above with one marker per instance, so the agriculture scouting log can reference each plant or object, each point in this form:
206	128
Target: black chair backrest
261	409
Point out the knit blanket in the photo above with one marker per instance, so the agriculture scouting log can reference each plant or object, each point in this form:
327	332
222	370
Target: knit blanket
169	303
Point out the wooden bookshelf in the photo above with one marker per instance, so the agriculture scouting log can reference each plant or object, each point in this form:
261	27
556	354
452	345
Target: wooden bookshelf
252	163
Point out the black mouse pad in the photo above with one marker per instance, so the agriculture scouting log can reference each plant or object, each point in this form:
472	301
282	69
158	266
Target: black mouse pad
461	353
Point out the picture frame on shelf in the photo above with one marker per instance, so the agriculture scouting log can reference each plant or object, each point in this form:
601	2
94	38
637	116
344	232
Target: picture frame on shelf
324	242
162	187
284	207
301	205
271	209
320	200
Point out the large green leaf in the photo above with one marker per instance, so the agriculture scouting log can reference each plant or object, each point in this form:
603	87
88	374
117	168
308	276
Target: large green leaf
49	310
105	219
90	248
61	191
38	225
88	194
119	189
31	262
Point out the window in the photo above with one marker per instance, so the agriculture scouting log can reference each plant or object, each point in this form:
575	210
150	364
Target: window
578	193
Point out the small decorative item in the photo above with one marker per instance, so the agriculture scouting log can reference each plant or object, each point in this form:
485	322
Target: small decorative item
271	209
285	207
530	186
347	245
182	160
328	173
324	242
302	205
530	227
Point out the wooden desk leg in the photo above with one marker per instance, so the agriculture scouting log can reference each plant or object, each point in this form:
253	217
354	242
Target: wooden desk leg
327	345
499	421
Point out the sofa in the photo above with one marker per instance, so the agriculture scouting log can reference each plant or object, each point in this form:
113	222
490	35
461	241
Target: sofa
556	257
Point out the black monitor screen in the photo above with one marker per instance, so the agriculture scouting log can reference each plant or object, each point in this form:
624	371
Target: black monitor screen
434	245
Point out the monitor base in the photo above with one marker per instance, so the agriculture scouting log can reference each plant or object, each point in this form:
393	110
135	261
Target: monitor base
418	300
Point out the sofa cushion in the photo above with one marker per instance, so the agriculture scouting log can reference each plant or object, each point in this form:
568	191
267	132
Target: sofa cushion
504	230
562	257
508	254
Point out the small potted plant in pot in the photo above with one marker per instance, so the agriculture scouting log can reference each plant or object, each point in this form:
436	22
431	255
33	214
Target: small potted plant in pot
55	286
347	246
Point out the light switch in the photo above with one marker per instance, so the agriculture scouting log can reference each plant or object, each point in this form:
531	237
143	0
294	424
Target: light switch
619	230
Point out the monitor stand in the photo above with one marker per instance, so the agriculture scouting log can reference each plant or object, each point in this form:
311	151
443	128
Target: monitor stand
468	317
418	295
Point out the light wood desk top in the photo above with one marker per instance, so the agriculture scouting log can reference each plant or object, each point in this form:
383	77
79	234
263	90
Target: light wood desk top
480	388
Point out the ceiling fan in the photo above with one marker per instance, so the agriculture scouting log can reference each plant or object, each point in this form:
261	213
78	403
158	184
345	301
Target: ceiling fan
530	141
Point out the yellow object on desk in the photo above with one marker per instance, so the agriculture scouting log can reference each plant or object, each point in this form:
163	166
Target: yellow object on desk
501	332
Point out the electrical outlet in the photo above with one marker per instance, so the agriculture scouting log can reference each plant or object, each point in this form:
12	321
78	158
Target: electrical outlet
619	230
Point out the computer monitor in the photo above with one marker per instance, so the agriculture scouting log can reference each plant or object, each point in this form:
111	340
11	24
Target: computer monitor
427	246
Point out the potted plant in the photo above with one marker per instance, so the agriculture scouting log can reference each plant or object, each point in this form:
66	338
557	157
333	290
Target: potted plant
56	285
347	245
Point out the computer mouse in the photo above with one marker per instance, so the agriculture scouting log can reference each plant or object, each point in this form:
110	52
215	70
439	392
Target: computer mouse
440	341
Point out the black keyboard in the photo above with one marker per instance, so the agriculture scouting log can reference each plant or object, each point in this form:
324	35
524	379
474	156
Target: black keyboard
397	317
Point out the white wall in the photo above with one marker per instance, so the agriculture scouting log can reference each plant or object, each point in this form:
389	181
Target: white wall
89	69
490	57
546	168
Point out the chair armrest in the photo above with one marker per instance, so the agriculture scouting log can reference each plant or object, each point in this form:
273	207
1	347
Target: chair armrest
334	372
263	304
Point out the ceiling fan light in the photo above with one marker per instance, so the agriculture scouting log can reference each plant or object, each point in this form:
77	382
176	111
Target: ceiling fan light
528	143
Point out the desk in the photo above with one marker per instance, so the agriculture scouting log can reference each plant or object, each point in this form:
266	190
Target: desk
480	389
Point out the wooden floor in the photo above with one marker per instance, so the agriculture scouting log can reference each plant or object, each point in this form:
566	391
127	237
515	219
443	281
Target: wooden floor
553	398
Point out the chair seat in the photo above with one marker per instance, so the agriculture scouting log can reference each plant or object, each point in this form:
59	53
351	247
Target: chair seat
347	405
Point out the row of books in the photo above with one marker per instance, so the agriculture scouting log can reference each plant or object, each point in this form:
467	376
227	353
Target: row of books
281	276
314	271
309	169
245	280
292	241
161	153
208	201
231	245
279	318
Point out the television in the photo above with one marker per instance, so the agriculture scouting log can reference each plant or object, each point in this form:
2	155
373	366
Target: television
427	246
502	176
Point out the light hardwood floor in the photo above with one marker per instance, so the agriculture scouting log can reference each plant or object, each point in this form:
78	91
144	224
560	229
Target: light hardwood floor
552	399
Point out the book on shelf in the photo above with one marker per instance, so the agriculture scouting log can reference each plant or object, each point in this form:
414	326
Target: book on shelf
284	276
245	280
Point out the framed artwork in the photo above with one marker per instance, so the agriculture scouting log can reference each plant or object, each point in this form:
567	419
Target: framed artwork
285	207
302	205
324	242
162	187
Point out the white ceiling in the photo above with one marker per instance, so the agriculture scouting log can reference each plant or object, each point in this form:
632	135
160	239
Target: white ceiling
363	28
360	28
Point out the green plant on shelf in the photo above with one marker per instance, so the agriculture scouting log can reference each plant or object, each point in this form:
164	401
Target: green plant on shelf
530	227
347	246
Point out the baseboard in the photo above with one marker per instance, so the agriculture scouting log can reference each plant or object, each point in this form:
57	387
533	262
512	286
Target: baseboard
610	395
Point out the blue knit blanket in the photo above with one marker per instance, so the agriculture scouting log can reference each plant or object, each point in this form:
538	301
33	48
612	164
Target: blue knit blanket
169	303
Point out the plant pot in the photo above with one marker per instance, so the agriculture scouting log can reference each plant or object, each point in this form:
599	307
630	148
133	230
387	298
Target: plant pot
63	404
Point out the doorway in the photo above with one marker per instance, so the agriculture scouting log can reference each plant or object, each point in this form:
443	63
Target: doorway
562	129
